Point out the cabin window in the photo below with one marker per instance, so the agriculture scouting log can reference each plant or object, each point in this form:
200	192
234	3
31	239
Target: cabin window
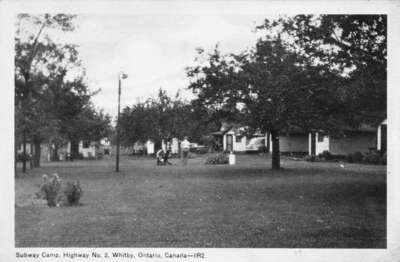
86	144
239	139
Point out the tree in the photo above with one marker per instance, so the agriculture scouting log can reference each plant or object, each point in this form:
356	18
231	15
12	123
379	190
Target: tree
54	105
32	50
163	118
87	124
273	88
313	72
353	45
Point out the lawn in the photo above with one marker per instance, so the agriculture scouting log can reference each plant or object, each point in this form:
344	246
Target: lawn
306	205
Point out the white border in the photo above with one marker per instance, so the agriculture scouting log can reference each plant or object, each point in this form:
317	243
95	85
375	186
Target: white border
8	10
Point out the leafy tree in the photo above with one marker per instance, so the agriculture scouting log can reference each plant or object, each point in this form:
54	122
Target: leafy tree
271	88
52	104
32	52
163	118
88	124
353	45
287	81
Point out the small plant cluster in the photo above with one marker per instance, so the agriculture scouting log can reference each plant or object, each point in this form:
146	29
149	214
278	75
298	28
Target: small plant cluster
373	157
58	194
218	159
324	156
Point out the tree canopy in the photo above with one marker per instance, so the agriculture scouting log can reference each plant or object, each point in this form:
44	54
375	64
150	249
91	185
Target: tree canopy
307	72
52	98
163	117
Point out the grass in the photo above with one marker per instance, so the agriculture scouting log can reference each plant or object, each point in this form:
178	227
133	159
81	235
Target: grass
306	205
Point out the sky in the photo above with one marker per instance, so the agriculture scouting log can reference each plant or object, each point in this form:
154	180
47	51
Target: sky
153	50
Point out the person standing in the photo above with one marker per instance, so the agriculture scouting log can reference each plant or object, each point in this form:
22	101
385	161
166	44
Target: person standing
167	153
185	146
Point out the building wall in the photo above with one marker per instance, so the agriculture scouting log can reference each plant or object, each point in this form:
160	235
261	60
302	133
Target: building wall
150	147
138	147
86	152
44	153
175	146
294	143
321	143
163	145
237	146
27	148
353	142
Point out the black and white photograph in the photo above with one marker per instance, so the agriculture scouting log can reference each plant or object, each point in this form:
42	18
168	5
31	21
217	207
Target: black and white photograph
201	130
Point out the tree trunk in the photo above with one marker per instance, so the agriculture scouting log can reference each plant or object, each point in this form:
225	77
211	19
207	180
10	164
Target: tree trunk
276	164
24	151
313	143
37	153
30	155
74	149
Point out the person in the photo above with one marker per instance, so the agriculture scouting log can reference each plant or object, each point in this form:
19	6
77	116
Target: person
160	157
167	153
185	146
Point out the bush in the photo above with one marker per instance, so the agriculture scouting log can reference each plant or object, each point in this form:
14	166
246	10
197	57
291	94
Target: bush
218	159
356	157
372	158
383	159
20	157
310	158
100	155
49	189
56	194
73	193
326	155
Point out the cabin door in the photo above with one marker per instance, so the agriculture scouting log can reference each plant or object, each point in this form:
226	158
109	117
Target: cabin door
229	143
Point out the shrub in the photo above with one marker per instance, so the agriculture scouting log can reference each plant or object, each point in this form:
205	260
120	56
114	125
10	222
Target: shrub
73	193
56	194
383	159
20	157
49	189
310	158
356	157
372	158
218	159
100	155
326	155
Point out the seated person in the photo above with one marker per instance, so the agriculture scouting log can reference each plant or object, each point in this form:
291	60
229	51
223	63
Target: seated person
160	157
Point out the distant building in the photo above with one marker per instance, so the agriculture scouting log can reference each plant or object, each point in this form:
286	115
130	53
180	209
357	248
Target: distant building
295	140
87	149
234	140
362	139
150	147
